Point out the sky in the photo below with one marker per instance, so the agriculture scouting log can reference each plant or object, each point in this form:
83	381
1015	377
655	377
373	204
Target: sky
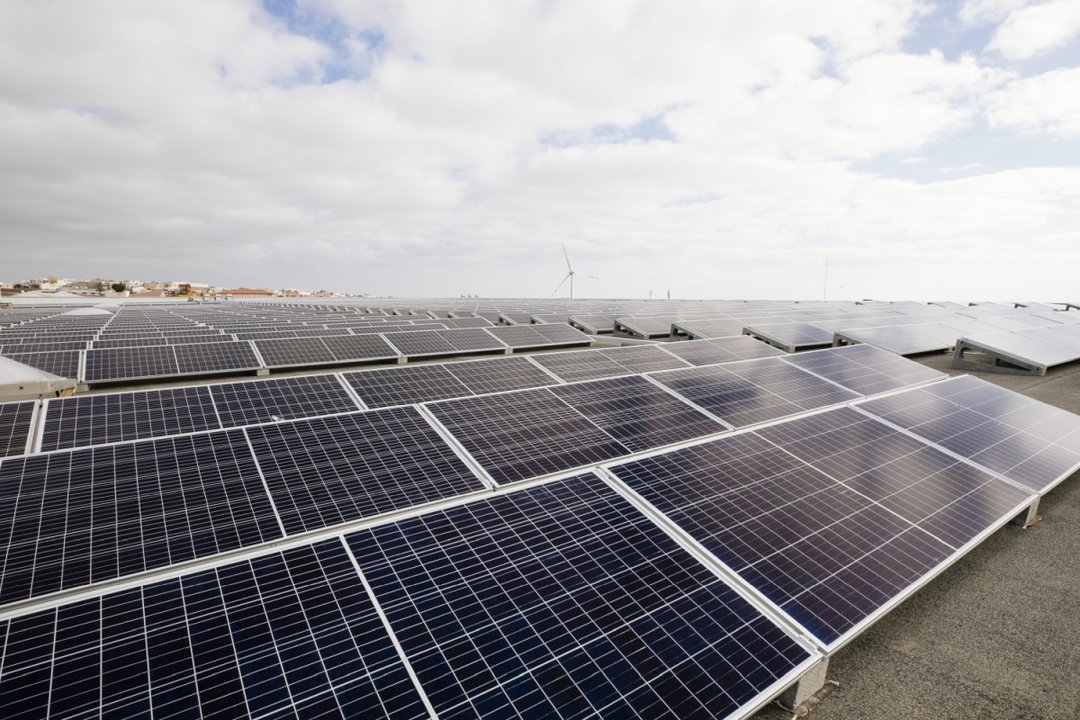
714	149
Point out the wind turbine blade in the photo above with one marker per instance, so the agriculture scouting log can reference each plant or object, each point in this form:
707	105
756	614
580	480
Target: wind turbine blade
568	276
591	277
567	258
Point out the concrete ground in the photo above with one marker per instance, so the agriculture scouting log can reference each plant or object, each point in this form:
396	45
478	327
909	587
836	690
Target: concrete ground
997	635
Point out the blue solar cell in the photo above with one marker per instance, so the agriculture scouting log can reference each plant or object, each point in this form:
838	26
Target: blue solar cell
564	601
291	634
76	517
326	471
525	434
636	412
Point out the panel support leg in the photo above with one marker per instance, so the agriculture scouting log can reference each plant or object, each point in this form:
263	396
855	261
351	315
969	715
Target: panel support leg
806	687
1030	516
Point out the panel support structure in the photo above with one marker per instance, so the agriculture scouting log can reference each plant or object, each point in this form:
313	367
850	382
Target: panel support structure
971	356
808	684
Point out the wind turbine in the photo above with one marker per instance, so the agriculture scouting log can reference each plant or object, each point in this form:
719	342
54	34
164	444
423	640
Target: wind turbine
569	275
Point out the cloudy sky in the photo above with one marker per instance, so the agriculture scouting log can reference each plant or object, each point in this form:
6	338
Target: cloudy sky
927	150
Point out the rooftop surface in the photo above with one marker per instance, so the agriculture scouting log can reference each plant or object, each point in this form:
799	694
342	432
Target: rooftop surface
997	634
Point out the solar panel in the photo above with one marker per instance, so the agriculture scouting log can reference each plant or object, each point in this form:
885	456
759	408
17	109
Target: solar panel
215	357
291	352
519	336
248	403
292	634
359	347
524	434
76	517
471	339
904	339
829	553
791	336
950	499
561	334
35	347
326	471
499	374
642	358
636	412
405	385
864	369
753	391
721	350
580	365
64	363
130	363
565	601
84	420
419	343
15	422
1031	443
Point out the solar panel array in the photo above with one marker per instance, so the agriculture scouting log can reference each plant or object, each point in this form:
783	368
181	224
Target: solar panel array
662	585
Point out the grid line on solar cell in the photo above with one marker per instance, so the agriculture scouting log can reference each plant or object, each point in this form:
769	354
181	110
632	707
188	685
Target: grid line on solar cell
131	362
84	420
285	635
248	403
15	422
525	434
636	412
565	601
499	375
326	471
1025	441
405	385
215	357
72	518
753	392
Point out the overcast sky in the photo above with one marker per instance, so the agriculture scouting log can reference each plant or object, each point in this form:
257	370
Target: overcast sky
719	149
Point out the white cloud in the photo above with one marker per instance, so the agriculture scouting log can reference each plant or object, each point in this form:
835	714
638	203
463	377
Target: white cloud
1036	29
195	140
989	11
1046	104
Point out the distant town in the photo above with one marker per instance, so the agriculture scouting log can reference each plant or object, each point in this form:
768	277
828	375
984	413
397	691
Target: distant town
53	287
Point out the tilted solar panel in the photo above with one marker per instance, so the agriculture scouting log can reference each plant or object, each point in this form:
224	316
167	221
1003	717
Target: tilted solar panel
642	358
84	420
721	350
292	634
753	391
471	339
215	357
291	352
837	519
565	601
499	374
15	421
405	385
1031	443
64	363
359	347
864	369
636	412
75	517
525	434
248	403
581	365
326	471
130	363
420	342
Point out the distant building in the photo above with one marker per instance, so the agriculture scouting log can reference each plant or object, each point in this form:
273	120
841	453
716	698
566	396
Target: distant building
247	292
